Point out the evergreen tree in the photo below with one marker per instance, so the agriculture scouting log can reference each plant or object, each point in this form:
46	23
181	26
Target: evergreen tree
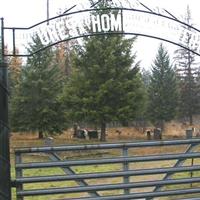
146	75
63	57
36	105
186	71
14	70
105	86
146	78
0	50
163	93
63	51
198	92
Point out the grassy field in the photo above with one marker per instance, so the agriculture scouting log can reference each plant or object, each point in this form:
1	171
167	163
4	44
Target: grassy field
19	140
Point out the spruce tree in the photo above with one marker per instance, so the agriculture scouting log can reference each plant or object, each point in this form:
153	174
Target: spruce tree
163	93
106	84
198	92
186	71
36	105
14	70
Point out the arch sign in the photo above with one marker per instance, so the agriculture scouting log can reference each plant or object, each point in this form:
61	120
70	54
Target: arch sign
123	17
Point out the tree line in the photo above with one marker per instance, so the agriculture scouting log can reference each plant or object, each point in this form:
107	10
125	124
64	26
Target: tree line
99	81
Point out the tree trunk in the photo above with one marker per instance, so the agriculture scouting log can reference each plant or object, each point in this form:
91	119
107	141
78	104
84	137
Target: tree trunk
103	132
162	125
191	119
41	136
75	130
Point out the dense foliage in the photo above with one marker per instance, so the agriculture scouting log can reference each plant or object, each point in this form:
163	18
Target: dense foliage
187	68
36	104
163	92
106	86
101	84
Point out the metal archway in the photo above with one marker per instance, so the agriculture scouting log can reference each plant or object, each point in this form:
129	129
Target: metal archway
127	21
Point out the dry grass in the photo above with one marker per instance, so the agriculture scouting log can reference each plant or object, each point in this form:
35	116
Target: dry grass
113	135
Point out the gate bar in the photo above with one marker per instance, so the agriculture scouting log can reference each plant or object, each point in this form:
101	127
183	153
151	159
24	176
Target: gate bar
144	195
109	146
108	160
106	174
121	186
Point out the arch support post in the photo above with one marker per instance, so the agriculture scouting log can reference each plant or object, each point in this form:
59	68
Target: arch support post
5	183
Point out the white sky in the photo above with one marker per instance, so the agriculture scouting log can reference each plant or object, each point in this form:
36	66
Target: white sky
22	13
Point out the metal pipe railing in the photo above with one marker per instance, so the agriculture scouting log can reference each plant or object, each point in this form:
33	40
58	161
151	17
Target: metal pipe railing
108	146
39	179
116	160
143	195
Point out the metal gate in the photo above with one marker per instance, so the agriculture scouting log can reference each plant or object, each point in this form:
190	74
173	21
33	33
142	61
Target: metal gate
138	170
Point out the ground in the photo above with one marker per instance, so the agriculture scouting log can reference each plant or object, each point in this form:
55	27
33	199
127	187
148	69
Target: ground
172	130
113	135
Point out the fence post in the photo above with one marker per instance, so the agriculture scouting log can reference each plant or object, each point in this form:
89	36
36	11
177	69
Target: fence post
19	174
191	173
126	168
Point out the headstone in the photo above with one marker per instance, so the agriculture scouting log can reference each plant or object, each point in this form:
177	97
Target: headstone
157	134
189	133
148	135
48	141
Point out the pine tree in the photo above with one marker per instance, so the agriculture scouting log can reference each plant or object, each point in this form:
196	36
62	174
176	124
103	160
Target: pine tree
14	70
36	105
106	86
64	50
186	71
146	74
63	58
163	93
198	92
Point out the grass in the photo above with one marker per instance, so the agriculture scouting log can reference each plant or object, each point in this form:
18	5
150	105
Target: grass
97	168
58	171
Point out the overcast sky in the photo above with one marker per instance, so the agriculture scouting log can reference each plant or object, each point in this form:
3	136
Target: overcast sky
22	13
